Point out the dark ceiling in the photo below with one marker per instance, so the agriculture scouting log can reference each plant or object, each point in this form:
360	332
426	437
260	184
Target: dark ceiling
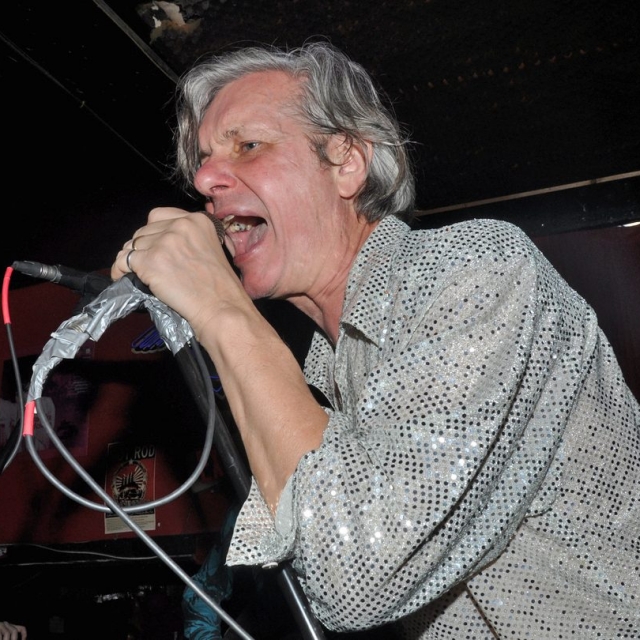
531	106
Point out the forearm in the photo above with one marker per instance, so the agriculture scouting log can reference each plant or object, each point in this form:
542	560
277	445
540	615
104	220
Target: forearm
276	414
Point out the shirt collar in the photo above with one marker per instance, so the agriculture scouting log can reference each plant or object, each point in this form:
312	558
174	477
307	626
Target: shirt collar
366	291
365	304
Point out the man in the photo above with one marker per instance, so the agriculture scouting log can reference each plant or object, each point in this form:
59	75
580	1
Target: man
476	471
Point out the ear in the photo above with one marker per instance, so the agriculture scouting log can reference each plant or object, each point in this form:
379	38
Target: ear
352	162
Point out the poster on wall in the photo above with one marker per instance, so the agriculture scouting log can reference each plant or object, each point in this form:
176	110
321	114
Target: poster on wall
130	481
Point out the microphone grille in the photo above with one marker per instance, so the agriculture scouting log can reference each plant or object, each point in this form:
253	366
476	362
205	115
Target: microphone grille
219	228
218	225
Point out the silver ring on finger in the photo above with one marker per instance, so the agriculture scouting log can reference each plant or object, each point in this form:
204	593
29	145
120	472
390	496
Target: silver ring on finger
128	260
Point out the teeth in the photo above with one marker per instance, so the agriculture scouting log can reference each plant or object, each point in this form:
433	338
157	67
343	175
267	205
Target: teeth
233	226
239	226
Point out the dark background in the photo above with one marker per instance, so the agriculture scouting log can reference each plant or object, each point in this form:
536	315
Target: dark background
501	98
521	110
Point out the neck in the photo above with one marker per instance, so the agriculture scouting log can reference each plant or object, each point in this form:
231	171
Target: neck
324	306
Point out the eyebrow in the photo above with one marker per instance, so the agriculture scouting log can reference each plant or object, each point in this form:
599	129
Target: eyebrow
235	132
231	133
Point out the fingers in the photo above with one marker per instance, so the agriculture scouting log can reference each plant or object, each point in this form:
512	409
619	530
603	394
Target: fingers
128	260
131	251
123	264
168	230
9	631
160	214
157	222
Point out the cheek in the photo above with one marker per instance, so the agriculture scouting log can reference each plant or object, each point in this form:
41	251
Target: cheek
278	191
298	193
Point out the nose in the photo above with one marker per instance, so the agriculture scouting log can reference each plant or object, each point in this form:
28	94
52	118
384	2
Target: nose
213	176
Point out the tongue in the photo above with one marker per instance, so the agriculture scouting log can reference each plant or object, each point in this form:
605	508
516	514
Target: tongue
253	236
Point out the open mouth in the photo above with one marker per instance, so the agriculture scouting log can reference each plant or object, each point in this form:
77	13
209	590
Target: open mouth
236	225
245	233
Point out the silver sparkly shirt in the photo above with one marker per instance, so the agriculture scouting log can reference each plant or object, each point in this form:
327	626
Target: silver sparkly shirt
479	477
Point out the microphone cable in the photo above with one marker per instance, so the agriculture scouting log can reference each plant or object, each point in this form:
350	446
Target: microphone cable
12	445
115	302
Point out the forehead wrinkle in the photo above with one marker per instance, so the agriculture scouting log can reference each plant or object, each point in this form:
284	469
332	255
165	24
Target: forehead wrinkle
289	107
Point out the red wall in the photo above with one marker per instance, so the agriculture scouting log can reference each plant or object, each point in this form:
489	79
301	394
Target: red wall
134	399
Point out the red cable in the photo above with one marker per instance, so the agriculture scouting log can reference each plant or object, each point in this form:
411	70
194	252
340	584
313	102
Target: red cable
29	412
5	295
30	407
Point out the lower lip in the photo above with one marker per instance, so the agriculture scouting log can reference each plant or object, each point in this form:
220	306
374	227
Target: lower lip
242	258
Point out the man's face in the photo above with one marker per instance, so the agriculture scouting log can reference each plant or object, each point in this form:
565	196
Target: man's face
284	209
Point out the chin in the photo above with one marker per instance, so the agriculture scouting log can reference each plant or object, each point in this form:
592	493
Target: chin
254	291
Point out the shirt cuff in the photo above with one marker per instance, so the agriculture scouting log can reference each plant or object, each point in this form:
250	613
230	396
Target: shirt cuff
258	537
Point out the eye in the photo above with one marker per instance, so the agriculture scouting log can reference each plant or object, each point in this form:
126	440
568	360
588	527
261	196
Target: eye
249	146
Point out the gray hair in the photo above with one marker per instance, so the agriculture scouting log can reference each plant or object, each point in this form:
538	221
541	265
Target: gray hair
338	97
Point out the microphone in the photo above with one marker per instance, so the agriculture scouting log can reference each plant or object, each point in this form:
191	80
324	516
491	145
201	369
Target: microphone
86	284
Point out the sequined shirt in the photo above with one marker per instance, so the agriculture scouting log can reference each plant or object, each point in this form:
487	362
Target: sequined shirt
479	476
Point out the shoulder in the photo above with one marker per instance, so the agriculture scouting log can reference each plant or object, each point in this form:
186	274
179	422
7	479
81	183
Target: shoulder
407	259
479	235
466	244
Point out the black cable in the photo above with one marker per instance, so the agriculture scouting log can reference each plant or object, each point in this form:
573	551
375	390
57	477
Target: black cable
11	447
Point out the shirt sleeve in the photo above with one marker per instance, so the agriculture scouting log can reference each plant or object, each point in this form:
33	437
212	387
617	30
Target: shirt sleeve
445	435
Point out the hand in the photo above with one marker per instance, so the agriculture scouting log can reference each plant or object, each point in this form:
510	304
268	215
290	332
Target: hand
10	631
178	255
